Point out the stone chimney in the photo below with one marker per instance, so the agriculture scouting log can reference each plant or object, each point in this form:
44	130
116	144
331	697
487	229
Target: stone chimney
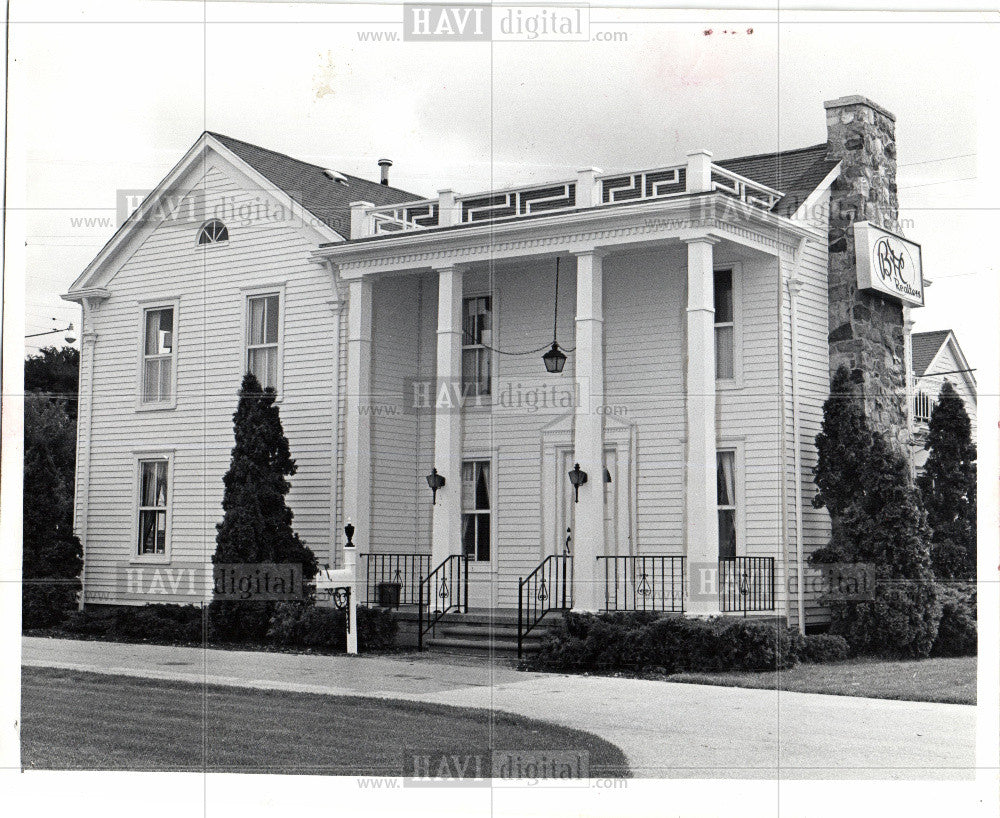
866	329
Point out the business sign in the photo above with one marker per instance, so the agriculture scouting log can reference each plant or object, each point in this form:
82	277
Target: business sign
889	264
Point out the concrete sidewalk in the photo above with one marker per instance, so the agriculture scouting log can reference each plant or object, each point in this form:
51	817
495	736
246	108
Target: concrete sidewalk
666	730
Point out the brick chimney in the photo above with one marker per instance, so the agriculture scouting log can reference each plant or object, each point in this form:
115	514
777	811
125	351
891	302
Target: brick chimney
866	329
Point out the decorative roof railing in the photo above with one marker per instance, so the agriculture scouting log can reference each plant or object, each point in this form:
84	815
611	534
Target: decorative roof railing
589	189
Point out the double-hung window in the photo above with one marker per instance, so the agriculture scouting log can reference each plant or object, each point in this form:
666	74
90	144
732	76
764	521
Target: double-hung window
476	505
158	353
153	506
726	479
477	337
263	328
725	326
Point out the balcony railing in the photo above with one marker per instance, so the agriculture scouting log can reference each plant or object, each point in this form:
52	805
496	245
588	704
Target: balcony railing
588	189
649	582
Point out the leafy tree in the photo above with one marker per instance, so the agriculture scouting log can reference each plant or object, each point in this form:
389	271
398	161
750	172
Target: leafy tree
948	486
52	555
257	523
877	519
56	372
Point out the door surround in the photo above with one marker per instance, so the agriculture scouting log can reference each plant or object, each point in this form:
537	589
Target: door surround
556	439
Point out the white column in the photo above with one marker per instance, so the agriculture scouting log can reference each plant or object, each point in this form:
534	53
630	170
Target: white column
357	423
588	440
700	490
84	431
446	527
908	324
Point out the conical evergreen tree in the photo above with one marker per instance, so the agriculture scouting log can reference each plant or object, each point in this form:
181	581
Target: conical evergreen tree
257	523
843	447
876	519
948	486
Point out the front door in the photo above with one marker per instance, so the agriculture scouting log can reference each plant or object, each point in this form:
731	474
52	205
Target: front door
615	493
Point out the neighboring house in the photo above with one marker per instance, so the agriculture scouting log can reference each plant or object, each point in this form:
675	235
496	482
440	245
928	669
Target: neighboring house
937	358
702	307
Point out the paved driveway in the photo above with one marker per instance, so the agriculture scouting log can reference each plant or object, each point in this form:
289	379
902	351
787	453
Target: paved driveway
666	730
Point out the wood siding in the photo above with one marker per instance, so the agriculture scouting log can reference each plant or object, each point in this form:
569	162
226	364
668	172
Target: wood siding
208	283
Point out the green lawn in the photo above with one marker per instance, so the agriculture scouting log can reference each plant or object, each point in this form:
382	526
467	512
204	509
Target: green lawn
74	720
927	680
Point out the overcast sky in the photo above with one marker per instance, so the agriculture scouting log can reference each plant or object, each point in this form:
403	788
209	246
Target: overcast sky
113	99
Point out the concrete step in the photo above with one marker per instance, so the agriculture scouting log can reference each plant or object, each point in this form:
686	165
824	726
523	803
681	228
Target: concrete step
474	630
507	647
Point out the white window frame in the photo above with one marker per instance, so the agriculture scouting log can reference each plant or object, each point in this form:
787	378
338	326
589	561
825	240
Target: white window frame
247	293
483	457
146	306
736	381
146	456
736	446
208	244
481	400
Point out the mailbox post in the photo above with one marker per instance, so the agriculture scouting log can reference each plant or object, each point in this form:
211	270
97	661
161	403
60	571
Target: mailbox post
341	588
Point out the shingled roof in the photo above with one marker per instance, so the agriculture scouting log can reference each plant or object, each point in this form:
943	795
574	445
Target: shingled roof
926	346
325	198
796	173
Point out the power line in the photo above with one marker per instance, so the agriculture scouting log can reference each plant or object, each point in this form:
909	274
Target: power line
940	159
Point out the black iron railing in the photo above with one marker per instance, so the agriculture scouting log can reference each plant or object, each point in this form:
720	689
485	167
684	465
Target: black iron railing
444	589
647	582
746	584
393	579
548	588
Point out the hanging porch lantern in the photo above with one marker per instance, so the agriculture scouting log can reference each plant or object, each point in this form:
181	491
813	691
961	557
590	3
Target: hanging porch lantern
555	358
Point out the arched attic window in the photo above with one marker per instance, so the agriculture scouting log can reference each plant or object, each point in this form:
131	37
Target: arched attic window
213	232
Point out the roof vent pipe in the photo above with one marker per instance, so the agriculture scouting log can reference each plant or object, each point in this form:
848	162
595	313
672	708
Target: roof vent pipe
385	164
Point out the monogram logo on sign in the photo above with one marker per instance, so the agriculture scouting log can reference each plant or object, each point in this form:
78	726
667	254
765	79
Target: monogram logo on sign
891	267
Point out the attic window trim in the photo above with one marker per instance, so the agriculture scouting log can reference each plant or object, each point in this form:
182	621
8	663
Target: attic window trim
214	231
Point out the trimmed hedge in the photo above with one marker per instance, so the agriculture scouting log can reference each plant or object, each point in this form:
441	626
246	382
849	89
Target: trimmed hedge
294	624
643	642
171	624
306	625
824	647
957	631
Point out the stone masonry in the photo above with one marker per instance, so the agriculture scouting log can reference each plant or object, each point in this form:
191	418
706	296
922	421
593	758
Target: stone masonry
866	329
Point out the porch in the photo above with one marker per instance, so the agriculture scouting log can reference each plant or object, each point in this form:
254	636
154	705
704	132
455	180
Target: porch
430	285
651	583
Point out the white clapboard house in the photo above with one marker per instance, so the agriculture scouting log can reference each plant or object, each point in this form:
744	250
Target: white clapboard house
700	307
936	358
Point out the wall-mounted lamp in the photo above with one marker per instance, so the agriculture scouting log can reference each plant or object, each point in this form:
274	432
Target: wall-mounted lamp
349	531
435	481
577	477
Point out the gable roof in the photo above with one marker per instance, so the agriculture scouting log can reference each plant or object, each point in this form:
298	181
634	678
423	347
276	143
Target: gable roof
796	173
325	198
926	346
